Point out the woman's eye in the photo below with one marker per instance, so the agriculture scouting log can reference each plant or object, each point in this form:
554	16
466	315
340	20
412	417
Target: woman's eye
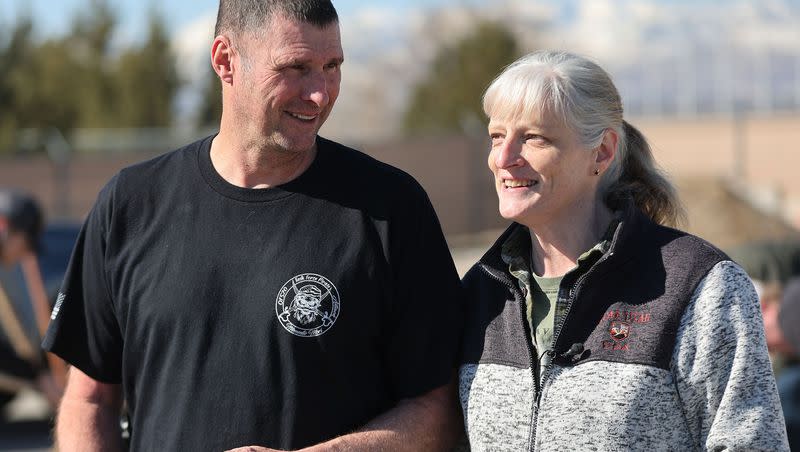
535	139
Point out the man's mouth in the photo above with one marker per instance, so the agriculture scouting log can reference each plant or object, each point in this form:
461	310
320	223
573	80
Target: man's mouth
302	117
517	183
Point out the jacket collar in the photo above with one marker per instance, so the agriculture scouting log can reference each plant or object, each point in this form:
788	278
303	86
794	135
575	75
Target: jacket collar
626	239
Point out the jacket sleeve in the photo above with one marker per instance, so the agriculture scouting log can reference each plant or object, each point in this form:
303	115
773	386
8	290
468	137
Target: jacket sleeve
722	370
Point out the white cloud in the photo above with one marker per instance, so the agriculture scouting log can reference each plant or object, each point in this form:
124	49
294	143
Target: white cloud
192	46
666	43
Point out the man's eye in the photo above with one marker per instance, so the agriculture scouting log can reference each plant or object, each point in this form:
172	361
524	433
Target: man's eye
300	68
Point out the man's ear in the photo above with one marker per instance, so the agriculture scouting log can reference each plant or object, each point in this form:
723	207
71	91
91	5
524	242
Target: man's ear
3	228
222	56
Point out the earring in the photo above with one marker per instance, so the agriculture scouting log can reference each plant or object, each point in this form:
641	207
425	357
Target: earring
596	172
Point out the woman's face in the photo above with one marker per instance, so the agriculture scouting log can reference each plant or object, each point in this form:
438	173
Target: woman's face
542	172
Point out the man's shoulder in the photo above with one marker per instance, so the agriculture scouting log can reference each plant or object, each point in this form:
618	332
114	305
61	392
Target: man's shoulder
155	174
173	162
350	161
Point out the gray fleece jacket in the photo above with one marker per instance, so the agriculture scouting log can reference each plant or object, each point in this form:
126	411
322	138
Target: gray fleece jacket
662	348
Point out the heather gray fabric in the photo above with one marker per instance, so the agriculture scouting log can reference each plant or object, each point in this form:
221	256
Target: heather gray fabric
722	368
603	405
502	397
717	394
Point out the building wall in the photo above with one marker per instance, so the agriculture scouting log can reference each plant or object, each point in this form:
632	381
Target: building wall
758	155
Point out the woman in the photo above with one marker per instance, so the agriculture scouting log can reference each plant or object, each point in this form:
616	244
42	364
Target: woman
590	324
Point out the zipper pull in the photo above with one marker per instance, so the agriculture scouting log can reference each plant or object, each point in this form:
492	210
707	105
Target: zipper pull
573	354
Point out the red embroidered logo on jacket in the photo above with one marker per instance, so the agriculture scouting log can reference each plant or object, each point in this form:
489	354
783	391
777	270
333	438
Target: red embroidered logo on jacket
620	328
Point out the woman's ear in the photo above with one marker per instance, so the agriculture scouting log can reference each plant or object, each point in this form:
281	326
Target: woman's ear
607	150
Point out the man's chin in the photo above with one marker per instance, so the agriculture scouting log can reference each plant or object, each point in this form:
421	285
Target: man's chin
297	145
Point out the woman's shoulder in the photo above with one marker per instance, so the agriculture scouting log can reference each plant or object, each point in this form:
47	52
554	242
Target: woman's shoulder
684	241
680	259
678	247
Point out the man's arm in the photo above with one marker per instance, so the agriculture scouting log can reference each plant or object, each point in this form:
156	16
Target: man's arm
88	418
430	422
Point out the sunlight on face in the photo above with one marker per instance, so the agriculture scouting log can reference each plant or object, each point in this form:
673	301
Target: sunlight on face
540	167
289	84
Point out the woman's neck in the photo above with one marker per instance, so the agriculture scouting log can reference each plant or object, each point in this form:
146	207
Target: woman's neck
557	245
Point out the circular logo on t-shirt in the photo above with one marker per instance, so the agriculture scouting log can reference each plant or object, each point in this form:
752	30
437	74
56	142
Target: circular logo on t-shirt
307	305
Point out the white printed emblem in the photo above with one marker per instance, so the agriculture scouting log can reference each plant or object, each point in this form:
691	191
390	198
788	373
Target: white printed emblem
307	305
57	307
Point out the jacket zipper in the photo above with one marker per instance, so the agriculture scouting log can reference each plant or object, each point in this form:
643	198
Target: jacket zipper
573	293
531	351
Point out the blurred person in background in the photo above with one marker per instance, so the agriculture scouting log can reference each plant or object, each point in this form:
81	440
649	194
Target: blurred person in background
21	361
21	226
591	325
263	286
774	266
771	264
787	342
771	296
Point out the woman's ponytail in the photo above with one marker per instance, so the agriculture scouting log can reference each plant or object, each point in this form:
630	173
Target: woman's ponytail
642	181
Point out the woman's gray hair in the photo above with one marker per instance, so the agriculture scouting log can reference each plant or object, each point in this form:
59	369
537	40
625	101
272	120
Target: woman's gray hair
582	95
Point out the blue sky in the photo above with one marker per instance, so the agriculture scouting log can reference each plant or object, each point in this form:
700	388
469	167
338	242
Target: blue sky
54	16
658	50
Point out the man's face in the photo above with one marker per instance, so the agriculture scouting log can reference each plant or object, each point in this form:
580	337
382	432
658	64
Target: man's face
287	84
14	248
776	341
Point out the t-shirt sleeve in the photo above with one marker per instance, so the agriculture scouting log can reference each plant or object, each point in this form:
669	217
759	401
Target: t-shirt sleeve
426	310
84	330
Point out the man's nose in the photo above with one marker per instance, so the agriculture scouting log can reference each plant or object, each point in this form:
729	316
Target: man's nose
317	89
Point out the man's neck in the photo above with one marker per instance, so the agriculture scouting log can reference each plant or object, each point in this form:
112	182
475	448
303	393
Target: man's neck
253	166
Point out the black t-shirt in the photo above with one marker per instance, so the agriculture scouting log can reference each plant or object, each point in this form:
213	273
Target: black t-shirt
281	317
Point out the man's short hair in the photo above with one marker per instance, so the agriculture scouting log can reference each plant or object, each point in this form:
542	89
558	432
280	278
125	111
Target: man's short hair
246	16
24	215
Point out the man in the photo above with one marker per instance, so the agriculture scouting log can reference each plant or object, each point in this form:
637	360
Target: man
263	286
20	228
21	366
21	225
